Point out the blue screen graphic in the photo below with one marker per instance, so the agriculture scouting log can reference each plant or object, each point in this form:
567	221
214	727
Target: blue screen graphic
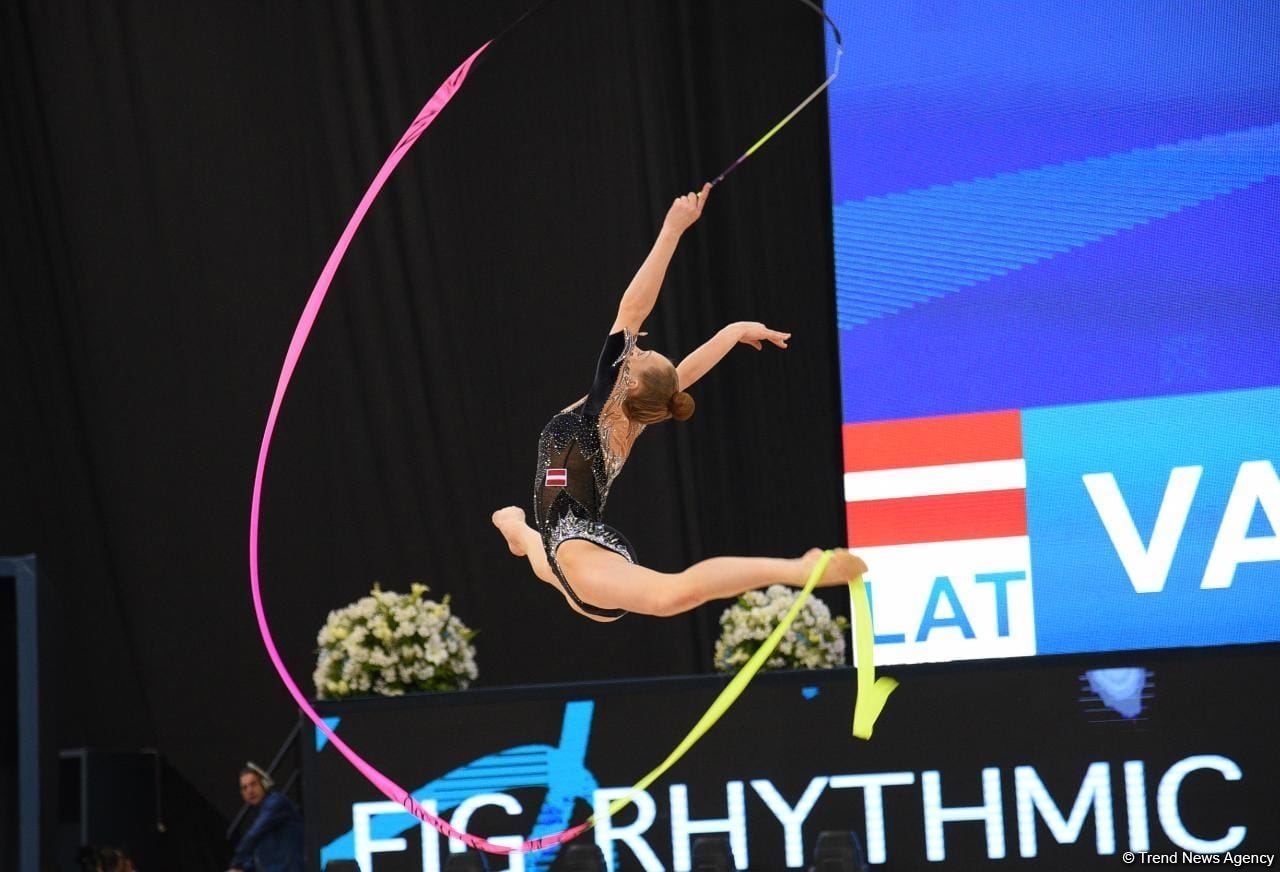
1168	546
1047	207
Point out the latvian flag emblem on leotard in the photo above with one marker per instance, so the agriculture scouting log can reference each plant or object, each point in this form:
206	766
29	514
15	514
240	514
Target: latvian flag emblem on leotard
557	477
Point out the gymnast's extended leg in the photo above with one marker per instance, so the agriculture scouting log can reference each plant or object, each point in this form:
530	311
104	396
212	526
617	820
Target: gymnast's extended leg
608	580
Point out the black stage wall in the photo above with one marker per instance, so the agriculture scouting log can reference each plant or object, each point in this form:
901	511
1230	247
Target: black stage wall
176	175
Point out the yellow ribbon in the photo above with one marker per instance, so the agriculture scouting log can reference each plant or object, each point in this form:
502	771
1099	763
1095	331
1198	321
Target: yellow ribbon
872	692
864	716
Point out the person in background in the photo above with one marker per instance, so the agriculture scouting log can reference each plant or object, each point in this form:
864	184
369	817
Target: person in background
274	840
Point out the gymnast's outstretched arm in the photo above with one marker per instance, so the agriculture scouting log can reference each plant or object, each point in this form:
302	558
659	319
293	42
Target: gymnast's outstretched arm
642	293
701	360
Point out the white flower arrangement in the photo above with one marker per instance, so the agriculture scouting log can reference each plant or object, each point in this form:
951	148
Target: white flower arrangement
815	640
390	644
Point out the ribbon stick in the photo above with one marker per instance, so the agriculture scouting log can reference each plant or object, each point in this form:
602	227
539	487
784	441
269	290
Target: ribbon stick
835	31
873	692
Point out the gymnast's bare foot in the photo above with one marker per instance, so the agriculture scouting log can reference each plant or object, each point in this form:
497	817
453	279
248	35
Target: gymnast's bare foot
844	567
509	522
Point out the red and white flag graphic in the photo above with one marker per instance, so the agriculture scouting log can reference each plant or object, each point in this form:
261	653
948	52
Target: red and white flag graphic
557	477
935	479
937	508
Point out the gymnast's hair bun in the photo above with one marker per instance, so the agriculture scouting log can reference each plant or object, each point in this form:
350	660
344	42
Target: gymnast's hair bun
681	406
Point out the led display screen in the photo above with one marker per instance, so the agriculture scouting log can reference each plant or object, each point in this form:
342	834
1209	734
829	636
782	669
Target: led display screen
1047	766
1058	303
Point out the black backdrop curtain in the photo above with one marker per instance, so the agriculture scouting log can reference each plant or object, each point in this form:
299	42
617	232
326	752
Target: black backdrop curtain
176	175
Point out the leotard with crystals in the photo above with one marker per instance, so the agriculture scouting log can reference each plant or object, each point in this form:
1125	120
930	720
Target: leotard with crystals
580	452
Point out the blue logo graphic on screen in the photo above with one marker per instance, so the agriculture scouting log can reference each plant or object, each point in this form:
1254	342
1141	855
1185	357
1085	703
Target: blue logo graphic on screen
561	769
1155	523
1119	689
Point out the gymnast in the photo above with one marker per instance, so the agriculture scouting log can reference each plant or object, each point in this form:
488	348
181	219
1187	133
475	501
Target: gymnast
583	448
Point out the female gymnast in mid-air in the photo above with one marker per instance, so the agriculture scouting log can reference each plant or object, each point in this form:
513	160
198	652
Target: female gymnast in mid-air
582	450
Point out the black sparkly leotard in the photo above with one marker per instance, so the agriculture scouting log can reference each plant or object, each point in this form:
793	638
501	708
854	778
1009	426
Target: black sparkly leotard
580	452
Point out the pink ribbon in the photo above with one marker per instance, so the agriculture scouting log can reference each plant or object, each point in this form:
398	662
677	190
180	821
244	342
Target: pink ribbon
389	788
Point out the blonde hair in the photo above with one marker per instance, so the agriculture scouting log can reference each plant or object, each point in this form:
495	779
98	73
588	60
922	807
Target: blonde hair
657	397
